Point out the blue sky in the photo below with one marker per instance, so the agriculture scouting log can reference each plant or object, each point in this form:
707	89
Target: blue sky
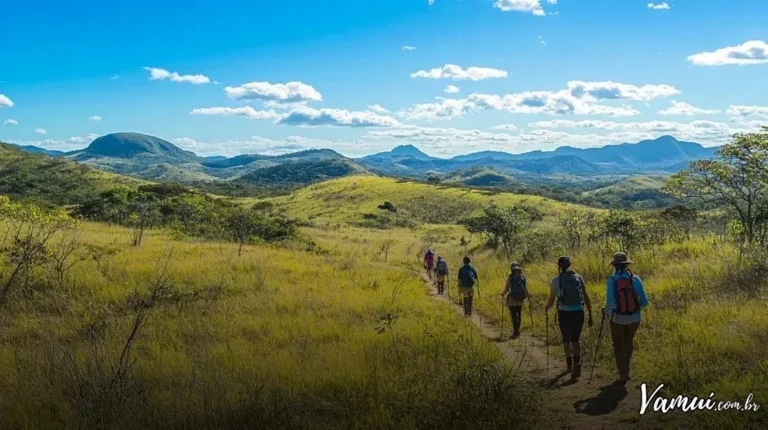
362	76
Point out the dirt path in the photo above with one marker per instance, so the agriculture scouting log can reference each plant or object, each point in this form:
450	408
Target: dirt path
575	404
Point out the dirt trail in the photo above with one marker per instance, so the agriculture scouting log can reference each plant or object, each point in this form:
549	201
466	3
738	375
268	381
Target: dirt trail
574	404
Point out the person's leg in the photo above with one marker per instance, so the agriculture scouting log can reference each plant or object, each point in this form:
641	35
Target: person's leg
564	323
629	343
465	301
576	327
618	335
516	310
471	299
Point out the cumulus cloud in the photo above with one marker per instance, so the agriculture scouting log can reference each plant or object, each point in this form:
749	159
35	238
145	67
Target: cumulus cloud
408	48
10	122
245	111
508	127
748	53
680	108
291	92
268	146
71	143
616	91
5	101
95	118
378	109
748	111
41	131
579	98
160	74
452	89
452	71
659	6
309	117
528	6
547	135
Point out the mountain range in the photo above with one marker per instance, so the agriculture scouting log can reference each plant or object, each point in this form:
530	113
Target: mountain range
152	158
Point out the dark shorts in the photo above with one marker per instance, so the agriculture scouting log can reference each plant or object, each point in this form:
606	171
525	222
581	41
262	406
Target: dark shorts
571	323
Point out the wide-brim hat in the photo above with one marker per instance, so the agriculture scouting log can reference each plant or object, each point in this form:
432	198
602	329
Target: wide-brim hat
620	258
515	266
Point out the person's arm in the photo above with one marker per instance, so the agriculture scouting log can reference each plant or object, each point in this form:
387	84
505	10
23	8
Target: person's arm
475	273
587	302
506	288
610	298
552	297
637	283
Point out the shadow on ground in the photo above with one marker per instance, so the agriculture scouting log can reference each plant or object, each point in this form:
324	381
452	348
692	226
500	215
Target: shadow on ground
605	402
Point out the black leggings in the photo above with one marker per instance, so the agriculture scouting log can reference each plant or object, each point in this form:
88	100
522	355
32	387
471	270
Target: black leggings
571	323
516	313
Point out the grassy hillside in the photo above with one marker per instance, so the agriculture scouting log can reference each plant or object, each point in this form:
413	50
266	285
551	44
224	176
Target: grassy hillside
352	199
47	180
638	192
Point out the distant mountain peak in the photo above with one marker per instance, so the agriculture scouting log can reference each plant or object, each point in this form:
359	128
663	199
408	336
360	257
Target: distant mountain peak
130	145
409	150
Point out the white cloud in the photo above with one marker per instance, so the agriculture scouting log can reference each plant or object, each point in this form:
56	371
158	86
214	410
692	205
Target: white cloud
608	90
680	108
41	131
71	143
452	89
159	74
114	77
752	52
452	71
659	6
748	111
508	127
542	41
245	111
5	101
10	122
453	141
291	92
408	48
442	110
95	118
309	117
378	109
267	146
530	6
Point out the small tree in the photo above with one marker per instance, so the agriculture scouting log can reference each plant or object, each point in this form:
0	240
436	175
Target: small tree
736	180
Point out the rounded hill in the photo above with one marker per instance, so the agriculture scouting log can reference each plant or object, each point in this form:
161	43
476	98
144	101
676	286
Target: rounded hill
129	145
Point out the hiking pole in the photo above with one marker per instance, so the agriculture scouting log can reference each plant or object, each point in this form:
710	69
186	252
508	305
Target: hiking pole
597	348
546	315
501	330
530	309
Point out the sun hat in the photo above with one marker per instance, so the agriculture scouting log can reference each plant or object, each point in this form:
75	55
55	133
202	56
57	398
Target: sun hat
620	258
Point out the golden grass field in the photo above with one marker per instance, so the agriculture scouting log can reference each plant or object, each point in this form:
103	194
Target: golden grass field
334	336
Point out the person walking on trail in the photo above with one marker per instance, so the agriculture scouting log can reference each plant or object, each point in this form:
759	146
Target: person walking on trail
516	290
570	291
467	280
429	262
441	271
624	302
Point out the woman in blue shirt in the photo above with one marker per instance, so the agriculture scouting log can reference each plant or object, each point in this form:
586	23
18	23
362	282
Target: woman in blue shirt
624	308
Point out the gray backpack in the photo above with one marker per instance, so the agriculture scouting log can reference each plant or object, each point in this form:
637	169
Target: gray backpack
442	267
570	292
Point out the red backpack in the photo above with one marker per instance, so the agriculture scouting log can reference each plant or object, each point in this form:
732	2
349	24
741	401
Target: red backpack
627	301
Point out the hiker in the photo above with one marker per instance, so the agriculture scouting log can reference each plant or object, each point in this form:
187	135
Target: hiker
569	289
441	270
429	262
624	301
516	290
467	280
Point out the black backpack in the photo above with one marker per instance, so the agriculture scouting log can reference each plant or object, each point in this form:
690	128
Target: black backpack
442	267
570	292
517	289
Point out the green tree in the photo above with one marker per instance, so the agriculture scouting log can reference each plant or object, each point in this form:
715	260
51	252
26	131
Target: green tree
737	180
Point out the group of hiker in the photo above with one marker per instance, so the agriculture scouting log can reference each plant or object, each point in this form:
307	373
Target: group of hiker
625	299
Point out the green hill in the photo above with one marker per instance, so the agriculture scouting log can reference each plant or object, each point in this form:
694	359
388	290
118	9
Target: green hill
131	145
481	177
298	174
46	180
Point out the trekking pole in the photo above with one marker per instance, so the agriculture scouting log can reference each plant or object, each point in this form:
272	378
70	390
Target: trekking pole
597	348
530	309
546	315
501	330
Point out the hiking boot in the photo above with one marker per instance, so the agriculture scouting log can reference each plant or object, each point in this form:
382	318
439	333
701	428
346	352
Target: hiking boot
569	363
515	335
576	371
